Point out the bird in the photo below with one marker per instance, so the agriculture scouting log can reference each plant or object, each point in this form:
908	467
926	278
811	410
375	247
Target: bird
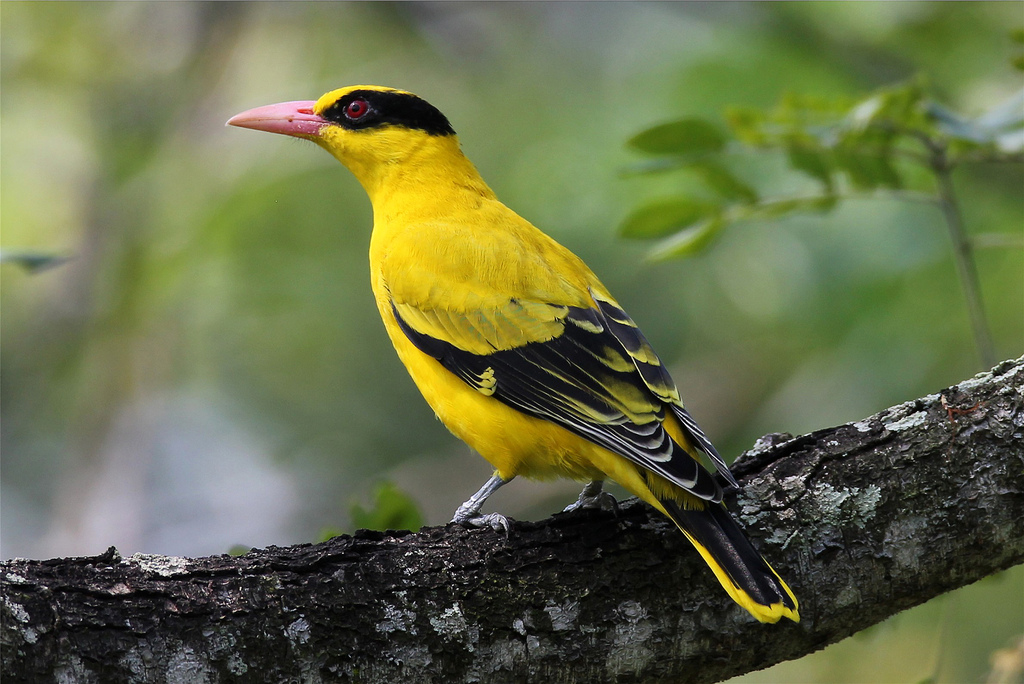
513	341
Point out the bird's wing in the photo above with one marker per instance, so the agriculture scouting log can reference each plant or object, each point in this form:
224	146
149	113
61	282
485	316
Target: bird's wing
586	368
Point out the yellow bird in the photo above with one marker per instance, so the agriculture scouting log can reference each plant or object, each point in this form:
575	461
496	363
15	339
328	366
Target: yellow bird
515	344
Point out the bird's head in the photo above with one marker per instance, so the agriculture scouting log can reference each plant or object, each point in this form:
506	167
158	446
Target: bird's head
370	129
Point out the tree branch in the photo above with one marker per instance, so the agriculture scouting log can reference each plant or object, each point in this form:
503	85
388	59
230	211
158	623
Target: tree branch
863	520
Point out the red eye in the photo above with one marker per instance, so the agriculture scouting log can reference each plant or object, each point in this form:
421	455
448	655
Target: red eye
356	109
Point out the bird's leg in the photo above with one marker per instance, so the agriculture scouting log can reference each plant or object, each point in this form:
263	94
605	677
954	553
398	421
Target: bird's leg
593	496
468	514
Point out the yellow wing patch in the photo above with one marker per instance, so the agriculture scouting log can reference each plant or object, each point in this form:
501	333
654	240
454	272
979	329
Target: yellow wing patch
485	330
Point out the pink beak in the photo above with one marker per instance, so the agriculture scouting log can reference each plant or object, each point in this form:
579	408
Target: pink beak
288	118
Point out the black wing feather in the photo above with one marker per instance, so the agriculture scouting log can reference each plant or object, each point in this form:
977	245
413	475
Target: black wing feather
572	380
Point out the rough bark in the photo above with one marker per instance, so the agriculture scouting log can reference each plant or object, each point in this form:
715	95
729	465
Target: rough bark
863	520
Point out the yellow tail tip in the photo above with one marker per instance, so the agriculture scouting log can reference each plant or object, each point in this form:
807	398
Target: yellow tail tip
772	613
763	613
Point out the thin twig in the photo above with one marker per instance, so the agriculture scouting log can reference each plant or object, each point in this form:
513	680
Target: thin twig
962	255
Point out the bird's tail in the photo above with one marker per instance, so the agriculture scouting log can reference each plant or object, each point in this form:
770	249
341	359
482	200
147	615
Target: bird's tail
744	574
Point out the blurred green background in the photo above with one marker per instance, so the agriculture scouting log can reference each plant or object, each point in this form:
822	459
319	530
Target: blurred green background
208	368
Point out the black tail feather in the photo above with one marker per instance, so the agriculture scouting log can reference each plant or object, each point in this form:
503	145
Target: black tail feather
754	585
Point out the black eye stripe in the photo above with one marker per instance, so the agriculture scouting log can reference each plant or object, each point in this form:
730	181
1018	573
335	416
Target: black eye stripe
389	109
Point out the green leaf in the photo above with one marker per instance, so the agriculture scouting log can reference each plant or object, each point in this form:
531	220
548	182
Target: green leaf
747	124
392	509
690	241
239	550
697	237
723	181
777	208
901	106
665	216
885	171
869	170
881	118
816	163
715	175
686	136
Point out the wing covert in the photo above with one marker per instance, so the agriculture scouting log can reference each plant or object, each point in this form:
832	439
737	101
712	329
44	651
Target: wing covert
589	370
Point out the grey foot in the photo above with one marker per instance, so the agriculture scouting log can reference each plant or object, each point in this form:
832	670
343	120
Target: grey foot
496	521
593	496
468	514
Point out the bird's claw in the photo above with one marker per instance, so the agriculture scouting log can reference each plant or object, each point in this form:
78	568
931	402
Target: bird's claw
496	521
602	501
